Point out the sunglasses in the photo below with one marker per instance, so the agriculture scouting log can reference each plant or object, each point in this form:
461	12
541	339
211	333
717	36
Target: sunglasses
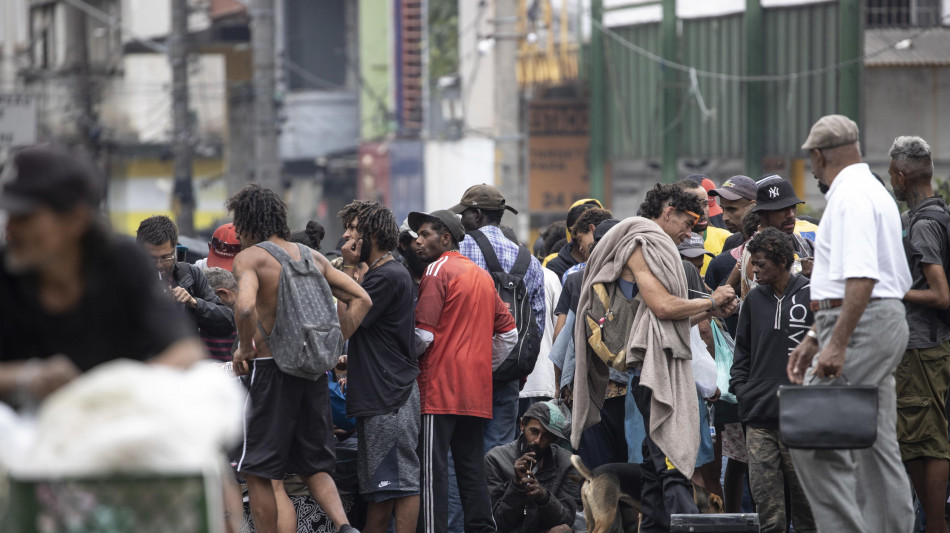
695	216
224	248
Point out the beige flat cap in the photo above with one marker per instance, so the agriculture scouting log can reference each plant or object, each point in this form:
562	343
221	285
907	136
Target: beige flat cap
831	131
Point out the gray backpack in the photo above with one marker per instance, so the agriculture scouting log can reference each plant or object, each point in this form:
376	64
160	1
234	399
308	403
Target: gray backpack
306	340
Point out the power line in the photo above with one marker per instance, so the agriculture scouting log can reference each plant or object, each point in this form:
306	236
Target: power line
743	78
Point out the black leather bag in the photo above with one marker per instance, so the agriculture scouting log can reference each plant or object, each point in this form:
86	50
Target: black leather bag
828	417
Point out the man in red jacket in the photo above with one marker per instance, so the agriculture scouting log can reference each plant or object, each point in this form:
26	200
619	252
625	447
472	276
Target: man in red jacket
463	331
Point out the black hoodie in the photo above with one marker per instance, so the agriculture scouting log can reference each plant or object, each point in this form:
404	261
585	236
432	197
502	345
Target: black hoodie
769	329
563	261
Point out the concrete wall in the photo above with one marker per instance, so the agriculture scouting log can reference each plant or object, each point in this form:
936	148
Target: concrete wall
907	101
138	105
318	123
453	166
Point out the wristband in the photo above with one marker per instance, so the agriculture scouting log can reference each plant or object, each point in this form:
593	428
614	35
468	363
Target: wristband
348	266
713	300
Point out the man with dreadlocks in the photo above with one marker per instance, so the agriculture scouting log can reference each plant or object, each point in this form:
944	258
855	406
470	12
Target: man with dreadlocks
381	370
288	427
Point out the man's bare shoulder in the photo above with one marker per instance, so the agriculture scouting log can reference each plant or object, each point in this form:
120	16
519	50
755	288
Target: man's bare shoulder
250	257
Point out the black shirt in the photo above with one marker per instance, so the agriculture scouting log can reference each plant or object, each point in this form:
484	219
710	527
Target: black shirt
731	242
381	364
570	293
929	246
121	314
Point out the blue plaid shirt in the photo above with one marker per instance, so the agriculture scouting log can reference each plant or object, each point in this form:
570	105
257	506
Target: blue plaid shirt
507	253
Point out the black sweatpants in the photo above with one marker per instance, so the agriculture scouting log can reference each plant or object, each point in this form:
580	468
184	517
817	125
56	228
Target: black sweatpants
464	435
665	490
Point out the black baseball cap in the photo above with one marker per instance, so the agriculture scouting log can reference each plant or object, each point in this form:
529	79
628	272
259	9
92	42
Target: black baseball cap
604	227
450	219
48	176
773	193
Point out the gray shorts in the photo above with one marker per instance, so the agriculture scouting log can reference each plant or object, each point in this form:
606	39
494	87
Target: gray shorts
387	462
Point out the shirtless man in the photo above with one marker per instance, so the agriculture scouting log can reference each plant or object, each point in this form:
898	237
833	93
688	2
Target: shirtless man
288	427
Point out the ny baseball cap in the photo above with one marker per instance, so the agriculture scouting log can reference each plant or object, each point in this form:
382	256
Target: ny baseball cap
736	188
450	219
831	131
554	417
482	196
223	247
693	247
48	176
774	193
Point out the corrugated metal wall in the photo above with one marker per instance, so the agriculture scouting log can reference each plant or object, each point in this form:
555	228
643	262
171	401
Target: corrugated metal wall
713	45
633	94
796	39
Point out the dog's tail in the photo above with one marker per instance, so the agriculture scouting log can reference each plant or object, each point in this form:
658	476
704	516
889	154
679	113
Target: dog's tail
581	467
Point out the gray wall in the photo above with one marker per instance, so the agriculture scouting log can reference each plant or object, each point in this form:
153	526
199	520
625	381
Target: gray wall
907	101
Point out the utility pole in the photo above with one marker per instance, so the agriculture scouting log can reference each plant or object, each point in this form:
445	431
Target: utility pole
266	150
669	45
9	72
508	136
182	136
850	47
598	115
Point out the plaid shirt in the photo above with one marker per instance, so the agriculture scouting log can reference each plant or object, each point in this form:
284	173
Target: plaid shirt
507	253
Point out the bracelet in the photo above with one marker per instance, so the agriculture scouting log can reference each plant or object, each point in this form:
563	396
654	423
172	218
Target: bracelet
811	334
348	266
713	300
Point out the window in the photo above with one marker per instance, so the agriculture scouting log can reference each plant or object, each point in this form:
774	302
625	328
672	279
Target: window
315	32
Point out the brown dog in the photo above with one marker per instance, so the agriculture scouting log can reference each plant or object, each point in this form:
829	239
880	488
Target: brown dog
609	485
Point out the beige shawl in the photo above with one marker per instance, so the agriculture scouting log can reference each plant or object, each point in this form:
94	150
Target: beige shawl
660	347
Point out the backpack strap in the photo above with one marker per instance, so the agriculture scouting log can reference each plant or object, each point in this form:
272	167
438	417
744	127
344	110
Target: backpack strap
491	258
929	212
523	261
279	253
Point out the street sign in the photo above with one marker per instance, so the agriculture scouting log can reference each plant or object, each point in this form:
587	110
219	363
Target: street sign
17	120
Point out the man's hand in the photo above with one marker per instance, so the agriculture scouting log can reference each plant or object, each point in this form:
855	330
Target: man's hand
47	376
533	488
522	465
830	362
715	397
567	395
351	252
242	355
808	263
724	295
181	296
800	360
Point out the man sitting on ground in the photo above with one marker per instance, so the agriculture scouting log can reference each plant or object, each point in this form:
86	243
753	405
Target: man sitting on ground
529	479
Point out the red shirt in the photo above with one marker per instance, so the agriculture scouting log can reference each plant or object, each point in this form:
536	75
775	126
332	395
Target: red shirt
458	304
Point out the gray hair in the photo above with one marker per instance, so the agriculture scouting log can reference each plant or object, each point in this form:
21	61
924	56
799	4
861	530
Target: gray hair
220	278
910	147
911	155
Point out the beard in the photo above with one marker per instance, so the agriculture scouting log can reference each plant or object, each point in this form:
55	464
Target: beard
413	262
823	188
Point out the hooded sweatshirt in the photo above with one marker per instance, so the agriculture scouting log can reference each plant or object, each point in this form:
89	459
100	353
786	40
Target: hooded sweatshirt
770	327
562	261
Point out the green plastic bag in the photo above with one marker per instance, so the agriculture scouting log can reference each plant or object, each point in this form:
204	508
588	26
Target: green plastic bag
725	345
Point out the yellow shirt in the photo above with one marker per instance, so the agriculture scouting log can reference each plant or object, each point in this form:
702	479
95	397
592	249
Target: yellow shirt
713	241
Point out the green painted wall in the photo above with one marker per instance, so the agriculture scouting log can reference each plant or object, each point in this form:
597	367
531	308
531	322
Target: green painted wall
376	54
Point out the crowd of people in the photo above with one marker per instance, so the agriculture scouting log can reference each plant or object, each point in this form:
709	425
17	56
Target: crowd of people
473	368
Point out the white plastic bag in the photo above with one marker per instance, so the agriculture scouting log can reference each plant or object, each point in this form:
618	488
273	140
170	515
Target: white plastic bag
704	366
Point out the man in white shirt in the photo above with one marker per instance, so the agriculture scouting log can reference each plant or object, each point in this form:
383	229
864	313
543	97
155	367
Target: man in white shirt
860	333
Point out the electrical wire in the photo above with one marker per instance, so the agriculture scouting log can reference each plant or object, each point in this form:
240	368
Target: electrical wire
744	78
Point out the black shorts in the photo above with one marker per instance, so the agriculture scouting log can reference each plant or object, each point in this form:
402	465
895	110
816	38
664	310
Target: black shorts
288	425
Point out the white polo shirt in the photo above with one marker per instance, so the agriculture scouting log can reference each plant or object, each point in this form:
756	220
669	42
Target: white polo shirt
859	237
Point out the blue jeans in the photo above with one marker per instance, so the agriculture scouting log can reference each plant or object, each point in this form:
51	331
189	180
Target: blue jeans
503	427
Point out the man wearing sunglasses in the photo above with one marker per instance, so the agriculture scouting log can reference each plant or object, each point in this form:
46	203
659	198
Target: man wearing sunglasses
222	248
183	282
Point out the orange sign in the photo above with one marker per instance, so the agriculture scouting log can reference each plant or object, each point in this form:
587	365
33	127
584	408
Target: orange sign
559	172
